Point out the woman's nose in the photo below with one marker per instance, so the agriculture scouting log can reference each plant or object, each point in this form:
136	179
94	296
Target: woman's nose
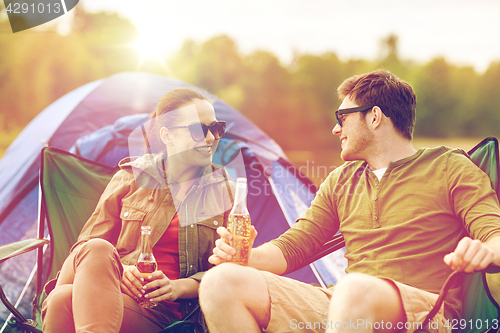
210	137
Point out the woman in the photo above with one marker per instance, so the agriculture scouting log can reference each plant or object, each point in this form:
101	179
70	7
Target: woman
181	195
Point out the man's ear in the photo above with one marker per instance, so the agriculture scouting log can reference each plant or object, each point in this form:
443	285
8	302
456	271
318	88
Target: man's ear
377	116
165	136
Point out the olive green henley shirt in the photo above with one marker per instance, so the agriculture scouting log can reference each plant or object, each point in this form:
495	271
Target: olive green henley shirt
402	226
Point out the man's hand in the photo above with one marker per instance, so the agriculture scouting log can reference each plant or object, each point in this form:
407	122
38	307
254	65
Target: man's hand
469	256
223	252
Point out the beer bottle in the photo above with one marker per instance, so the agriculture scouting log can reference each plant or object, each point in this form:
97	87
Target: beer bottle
146	264
239	224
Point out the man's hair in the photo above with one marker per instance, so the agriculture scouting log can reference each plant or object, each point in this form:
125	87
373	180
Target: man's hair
394	96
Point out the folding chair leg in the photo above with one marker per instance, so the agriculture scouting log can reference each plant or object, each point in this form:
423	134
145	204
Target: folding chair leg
20	322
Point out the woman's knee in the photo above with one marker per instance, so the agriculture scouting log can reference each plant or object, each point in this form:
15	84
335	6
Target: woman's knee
98	245
99	254
98	250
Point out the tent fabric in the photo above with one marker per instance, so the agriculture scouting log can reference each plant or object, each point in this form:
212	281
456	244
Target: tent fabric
21	160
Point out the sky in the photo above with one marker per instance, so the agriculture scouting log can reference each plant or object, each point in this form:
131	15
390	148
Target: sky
465	32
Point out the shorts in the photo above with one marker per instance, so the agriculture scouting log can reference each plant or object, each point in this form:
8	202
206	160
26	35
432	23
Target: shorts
300	307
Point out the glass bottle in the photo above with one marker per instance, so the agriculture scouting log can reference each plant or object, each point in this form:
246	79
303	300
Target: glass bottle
146	264
239	224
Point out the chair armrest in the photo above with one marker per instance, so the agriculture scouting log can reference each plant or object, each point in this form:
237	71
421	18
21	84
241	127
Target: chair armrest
450	281
10	250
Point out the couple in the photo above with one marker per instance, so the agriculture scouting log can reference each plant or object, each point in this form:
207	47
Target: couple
404	233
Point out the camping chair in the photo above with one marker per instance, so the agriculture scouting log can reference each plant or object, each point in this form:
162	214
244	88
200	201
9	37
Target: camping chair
71	187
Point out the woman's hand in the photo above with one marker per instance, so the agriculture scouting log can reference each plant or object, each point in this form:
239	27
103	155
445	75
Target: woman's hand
161	288
132	280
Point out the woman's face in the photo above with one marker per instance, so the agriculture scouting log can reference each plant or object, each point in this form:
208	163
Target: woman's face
181	146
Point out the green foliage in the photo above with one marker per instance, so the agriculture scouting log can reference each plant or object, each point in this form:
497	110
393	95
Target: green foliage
294	104
38	67
484	114
6	138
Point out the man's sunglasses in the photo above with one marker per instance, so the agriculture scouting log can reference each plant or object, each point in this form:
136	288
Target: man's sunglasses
341	112
199	131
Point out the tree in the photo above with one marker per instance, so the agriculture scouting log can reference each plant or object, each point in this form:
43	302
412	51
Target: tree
315	81
389	49
437	100
38	68
484	111
109	40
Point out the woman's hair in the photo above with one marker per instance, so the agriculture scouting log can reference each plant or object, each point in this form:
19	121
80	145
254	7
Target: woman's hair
162	117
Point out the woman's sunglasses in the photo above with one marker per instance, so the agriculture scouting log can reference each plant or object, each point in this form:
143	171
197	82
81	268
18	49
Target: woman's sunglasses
199	131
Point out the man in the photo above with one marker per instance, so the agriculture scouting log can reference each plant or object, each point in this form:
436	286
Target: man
405	216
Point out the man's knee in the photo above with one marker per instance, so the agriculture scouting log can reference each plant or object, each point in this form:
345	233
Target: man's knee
225	275
357	286
240	290
225	280
366	292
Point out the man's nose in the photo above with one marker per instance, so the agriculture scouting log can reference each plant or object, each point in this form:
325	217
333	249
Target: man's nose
337	129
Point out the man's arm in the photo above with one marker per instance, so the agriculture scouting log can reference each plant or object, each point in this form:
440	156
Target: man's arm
268	257
472	255
476	204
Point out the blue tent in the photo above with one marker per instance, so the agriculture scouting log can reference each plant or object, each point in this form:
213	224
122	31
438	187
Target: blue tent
96	122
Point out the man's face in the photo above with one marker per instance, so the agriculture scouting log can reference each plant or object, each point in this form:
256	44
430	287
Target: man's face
355	137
